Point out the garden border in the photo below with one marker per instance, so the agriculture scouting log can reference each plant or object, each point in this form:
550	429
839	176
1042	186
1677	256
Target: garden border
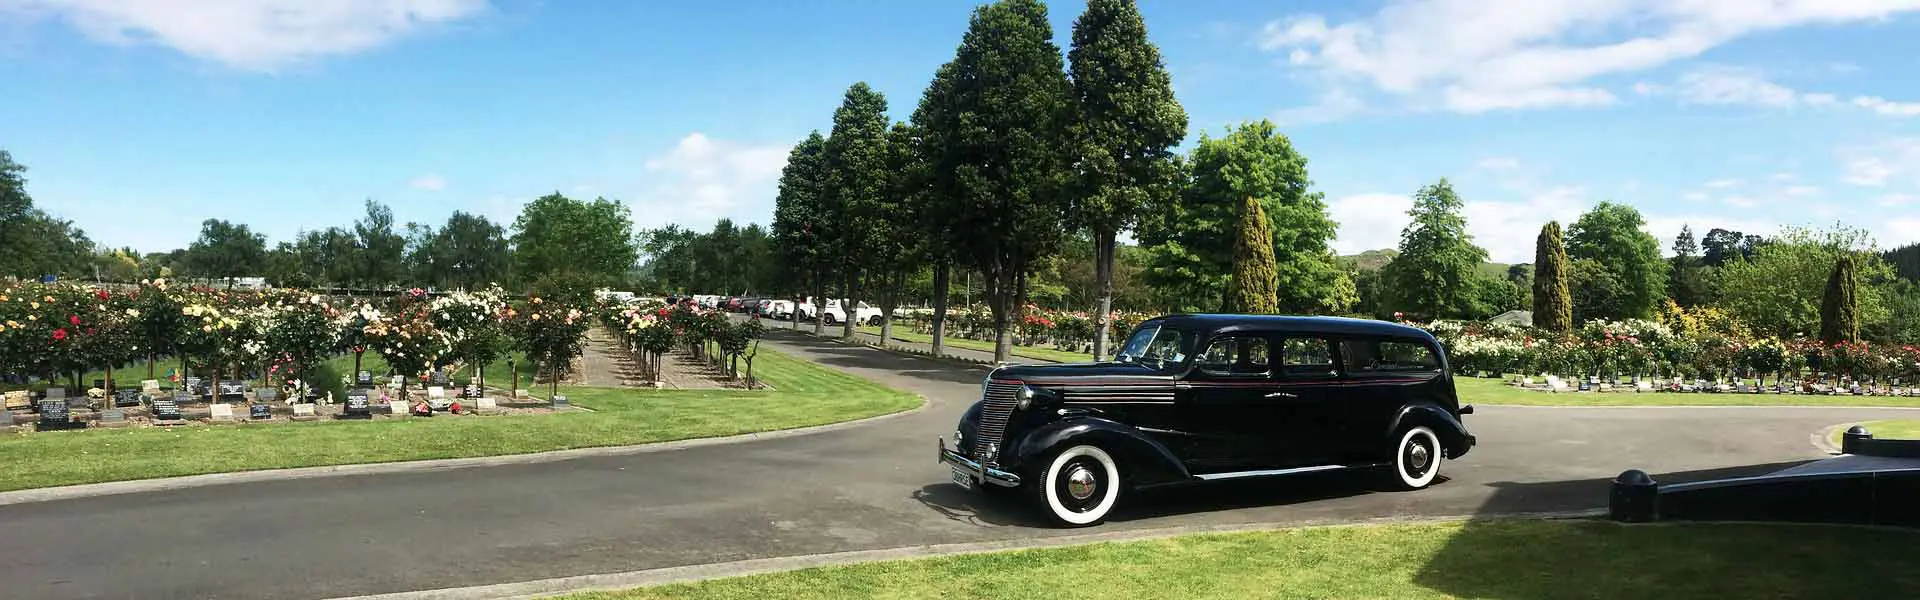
137	486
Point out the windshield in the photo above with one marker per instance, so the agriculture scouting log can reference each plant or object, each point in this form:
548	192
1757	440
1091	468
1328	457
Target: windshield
1154	346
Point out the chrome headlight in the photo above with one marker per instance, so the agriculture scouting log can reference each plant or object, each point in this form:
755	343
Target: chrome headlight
958	438
1026	397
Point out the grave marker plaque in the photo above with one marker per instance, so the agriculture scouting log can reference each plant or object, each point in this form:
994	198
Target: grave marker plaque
439	378
221	412
193	386
231	388
168	409
357	405
6	418
266	394
123	398
398	407
303	412
259	412
485	404
559	401
472	391
113	415
100	384
363	379
54	415
56	393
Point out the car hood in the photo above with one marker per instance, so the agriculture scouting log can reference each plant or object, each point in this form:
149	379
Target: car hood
1110	372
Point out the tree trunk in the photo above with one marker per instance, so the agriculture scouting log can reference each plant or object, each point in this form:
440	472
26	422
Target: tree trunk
849	314
819	304
942	275
553	382
998	299
1103	252
151	360
889	299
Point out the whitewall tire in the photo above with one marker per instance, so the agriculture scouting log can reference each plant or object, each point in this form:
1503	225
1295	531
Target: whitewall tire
1416	458
1079	486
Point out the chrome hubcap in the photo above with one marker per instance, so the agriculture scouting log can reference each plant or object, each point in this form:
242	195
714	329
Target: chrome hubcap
1418	456
1080	483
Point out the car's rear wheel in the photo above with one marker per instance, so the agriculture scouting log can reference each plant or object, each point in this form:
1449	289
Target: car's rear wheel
1079	486
829	319
875	321
1416	458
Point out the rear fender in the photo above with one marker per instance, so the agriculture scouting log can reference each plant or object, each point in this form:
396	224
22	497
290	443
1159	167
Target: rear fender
1453	434
1145	461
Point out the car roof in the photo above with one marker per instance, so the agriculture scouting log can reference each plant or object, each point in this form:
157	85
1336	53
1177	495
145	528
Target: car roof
1292	323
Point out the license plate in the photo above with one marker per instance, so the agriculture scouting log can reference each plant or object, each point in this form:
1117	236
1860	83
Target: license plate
962	479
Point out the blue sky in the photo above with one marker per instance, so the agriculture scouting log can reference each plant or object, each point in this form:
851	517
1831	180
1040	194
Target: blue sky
139	118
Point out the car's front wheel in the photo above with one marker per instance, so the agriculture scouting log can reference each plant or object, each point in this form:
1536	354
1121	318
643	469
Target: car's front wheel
1079	486
1416	458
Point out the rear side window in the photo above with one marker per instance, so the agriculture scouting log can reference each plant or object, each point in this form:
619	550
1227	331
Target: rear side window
1388	356
1236	355
1306	357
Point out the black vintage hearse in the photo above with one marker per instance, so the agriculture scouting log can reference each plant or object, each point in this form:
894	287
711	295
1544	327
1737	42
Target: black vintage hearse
1194	398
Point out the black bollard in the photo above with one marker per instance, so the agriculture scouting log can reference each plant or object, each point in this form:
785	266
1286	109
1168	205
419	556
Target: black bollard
1635	498
1850	441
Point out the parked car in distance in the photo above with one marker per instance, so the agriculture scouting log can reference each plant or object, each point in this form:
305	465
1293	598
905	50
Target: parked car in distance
1190	399
778	309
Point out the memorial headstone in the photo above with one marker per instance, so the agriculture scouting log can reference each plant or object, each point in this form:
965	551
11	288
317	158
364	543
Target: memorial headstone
485	404
1584	386
194	386
56	393
1642	387
266	394
221	412
232	389
123	398
560	401
363	379
99	384
149	385
357	405
260	412
113	416
437	398
396	382
18	399
54	415
304	412
439	378
1855	390
6	418
472	391
166	411
397	407
1742	388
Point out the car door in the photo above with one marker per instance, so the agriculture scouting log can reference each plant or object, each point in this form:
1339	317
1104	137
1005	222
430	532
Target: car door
1380	376
1229	408
1306	376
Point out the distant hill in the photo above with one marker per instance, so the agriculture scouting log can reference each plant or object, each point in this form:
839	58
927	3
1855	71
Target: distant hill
1374	259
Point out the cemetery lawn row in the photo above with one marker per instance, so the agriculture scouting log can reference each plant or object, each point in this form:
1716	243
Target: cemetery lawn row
1485	559
805	394
1488	391
131	375
1034	352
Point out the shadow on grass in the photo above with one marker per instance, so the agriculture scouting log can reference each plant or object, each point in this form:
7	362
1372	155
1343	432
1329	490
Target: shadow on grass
836	354
1602	559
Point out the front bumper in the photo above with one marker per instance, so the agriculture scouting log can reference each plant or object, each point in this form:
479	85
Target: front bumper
978	471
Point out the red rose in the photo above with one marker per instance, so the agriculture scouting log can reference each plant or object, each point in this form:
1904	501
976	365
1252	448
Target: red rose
91	331
101	294
59	334
74	319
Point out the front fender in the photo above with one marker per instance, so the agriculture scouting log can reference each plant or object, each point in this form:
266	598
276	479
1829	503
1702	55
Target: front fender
1146	461
1453	434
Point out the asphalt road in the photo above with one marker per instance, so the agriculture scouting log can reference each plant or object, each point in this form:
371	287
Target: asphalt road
869	487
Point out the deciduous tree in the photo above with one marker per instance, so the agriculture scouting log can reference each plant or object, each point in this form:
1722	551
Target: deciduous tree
1610	234
227	250
557	236
1433	274
380	253
1779	290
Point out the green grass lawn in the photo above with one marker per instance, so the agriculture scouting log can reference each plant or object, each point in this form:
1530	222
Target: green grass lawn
1891	429
805	394
1033	352
1506	560
1480	390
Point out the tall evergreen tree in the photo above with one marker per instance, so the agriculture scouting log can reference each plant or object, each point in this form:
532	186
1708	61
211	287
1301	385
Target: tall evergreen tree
1552	308
1008	159
1688	285
896	252
796	211
1254	289
1610	235
858	182
1126	125
1840	310
1434	273
933	190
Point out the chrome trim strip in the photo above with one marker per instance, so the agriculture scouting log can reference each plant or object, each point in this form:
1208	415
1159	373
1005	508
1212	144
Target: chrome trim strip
977	470
1101	402
1293	471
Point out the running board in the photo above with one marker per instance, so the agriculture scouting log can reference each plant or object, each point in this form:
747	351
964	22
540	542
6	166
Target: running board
1277	472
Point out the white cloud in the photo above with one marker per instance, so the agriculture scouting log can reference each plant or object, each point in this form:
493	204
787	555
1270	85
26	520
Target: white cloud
1892	200
1507	229
1899	232
260	35
1740	201
1540	52
1644	88
1723	183
428	182
1332	105
1876	164
1801	191
1734	86
1887	107
1499	163
1694	196
702	180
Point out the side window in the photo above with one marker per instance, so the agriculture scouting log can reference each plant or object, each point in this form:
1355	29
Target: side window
1236	355
1388	356
1306	357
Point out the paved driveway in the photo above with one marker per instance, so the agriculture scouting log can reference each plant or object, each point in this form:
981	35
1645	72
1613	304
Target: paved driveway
868	487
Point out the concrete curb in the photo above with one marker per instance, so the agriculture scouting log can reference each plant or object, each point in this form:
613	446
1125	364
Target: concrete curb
615	581
1822	439
193	481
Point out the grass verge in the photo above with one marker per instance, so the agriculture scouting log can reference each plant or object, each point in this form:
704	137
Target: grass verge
1480	390
1033	352
1487	559
1890	429
805	394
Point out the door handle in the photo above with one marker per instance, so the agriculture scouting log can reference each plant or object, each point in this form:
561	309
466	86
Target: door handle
1283	395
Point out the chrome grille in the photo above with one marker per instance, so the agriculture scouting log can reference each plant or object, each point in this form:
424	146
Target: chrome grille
1001	396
